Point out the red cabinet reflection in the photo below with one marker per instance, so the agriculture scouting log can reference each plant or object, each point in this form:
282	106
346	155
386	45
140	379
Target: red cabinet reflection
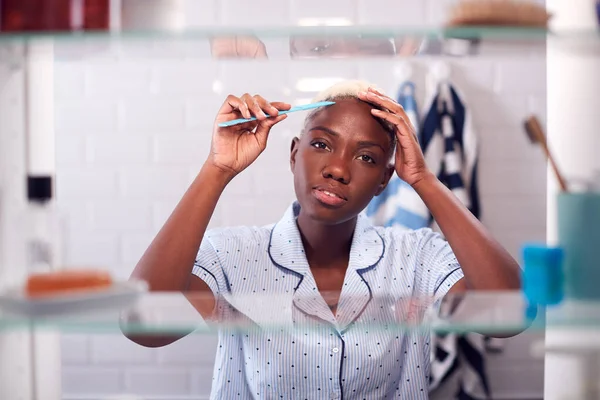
96	14
53	15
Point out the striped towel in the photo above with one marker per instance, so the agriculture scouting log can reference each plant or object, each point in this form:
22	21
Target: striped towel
458	367
450	145
399	205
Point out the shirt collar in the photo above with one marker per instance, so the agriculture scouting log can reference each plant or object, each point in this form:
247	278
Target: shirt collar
287	252
286	248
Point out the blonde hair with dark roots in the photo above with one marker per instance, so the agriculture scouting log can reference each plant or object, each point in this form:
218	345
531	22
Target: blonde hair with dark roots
349	89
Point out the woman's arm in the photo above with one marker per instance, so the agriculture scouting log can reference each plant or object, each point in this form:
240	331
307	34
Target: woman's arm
485	263
167	263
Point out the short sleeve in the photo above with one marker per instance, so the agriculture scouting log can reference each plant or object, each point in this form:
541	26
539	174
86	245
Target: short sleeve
438	269
208	267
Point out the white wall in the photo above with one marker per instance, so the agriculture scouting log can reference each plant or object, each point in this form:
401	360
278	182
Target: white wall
133	131
572	77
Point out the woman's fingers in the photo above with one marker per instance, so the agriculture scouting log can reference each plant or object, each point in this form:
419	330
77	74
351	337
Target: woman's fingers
373	90
270	122
401	122
404	128
392	111
232	104
264	127
281	106
385	102
384	96
271	109
254	107
382	101
248	106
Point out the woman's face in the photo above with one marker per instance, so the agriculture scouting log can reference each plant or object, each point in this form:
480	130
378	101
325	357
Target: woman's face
340	162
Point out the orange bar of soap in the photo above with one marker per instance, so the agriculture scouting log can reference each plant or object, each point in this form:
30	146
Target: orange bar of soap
60	282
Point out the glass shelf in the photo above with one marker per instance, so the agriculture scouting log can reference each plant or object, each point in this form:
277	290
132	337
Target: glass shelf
313	42
465	32
173	313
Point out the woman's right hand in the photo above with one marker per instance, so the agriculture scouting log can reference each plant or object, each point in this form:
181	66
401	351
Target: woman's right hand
235	147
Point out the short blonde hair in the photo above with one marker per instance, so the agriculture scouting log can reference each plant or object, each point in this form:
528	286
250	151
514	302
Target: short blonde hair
344	89
348	89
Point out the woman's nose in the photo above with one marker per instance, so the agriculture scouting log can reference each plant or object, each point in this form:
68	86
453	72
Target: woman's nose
337	169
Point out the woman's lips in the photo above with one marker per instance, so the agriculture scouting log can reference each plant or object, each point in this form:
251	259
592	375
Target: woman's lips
328	198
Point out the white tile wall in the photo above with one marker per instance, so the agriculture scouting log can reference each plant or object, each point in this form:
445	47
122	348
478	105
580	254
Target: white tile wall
97	381
256	13
401	12
132	133
152	381
311	9
75	112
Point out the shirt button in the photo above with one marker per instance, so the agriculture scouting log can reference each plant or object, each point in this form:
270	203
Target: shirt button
335	349
334	395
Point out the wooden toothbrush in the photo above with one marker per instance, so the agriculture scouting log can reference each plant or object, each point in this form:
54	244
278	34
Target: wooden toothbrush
536	135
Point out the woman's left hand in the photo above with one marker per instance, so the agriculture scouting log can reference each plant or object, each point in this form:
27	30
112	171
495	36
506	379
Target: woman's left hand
409	161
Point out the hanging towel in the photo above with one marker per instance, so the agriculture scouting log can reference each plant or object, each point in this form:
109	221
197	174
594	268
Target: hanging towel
458	365
450	147
399	205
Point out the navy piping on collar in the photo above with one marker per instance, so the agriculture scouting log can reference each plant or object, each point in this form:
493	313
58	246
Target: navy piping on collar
286	270
289	271
360	273
342	368
208	272
226	282
444	280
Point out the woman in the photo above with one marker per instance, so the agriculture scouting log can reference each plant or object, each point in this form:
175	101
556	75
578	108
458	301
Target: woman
323	264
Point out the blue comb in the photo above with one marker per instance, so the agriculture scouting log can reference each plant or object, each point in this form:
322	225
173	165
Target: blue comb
291	110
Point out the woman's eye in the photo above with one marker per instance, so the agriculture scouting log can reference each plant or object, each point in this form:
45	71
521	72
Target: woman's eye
319	145
367	158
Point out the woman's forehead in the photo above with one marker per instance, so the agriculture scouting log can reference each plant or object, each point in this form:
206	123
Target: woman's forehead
349	116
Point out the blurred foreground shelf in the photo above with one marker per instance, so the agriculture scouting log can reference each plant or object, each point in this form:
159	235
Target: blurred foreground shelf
174	313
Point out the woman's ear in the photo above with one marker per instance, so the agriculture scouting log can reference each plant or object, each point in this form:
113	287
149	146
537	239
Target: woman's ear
293	151
389	171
